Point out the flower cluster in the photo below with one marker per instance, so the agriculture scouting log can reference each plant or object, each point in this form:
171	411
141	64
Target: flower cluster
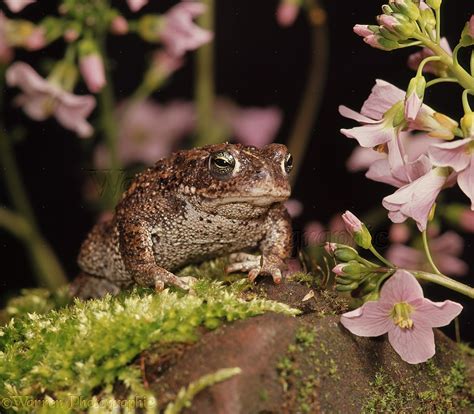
83	34
421	152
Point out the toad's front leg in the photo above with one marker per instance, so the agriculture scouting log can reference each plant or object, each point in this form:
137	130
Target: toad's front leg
136	249
275	248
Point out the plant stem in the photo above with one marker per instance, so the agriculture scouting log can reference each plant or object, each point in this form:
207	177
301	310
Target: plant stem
465	100
109	128
465	79
438	25
380	257
314	88
22	224
441	80
204	82
445	281
428	253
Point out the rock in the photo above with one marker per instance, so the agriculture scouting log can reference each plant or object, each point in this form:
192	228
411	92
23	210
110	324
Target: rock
311	364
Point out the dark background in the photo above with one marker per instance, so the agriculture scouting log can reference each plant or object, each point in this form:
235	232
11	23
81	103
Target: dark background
257	63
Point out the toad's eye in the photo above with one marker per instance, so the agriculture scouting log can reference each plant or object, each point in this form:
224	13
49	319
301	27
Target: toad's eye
288	163
221	164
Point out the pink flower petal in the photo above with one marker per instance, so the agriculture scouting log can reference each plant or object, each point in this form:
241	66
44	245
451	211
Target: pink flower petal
286	13
451	265
401	287
466	182
17	5
416	199
362	158
371	135
371	319
383	96
356	116
451	154
406	257
434	314
136	5
414	345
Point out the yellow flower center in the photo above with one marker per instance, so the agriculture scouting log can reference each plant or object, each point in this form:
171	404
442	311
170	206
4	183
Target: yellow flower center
401	315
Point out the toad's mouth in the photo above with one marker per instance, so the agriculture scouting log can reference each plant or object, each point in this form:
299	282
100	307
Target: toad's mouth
262	200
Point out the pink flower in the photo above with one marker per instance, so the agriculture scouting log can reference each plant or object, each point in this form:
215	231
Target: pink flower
17	5
93	72
136	5
466	220
405	315
148	131
165	64
458	155
294	207
36	40
415	200
250	126
287	12
445	250
315	233
401	168
436	68
179	33
377	116
471	26
399	233
119	25
42	98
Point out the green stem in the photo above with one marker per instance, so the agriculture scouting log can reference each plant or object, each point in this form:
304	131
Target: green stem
302	131
428	253
422	64
49	272
438	25
109	127
441	80
380	257
445	281
464	78
12	178
472	63
204	82
465	100
411	44
45	264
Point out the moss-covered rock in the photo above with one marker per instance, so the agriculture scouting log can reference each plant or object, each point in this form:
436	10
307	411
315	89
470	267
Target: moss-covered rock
228	347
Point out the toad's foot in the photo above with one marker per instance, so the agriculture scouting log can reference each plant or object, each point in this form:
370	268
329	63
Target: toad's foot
164	278
256	265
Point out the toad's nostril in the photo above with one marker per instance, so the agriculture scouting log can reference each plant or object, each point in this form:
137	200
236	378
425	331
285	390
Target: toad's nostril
261	173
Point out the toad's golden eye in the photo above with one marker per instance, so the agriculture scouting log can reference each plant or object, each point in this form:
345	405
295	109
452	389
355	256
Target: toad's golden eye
221	164
288	163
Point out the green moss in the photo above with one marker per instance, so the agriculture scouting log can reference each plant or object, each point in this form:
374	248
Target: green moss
80	349
448	393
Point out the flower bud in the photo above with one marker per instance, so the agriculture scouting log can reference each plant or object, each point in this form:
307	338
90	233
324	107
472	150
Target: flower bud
341	252
358	230
406	7
398	25
149	27
414	97
381	42
371	296
91	65
362	30
119	25
347	288
467	124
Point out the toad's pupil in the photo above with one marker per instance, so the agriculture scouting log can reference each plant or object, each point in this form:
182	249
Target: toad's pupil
222	162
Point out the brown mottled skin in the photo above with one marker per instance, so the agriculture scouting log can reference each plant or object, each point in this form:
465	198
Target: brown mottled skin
187	209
